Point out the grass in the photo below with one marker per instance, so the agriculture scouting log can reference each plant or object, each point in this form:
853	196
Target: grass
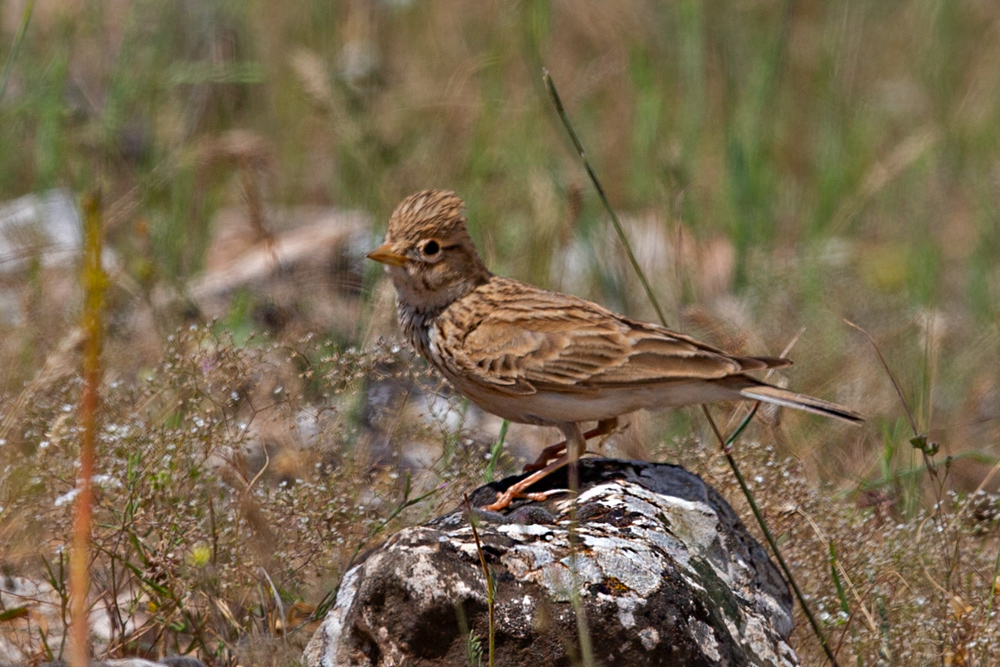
778	166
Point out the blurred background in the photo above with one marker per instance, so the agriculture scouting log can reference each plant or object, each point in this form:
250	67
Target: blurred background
782	167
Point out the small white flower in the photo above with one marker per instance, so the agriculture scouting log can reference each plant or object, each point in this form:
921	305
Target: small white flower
66	498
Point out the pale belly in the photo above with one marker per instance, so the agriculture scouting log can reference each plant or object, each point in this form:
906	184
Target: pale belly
552	408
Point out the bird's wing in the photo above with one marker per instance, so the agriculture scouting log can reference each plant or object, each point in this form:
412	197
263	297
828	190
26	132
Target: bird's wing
523	339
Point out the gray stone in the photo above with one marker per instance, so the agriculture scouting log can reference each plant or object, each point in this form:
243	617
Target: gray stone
667	575
45	225
175	661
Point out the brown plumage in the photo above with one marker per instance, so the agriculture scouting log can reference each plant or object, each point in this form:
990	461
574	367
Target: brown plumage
540	357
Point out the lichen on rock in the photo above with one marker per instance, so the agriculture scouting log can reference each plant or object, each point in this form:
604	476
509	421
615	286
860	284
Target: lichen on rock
666	571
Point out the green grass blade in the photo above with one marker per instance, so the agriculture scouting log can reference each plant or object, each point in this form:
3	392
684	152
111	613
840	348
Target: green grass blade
8	67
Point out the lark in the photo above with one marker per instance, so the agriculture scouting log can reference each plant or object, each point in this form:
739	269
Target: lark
535	356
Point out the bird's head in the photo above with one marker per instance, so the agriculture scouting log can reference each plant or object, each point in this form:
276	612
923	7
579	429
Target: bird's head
428	251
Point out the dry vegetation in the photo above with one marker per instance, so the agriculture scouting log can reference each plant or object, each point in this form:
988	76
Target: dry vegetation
781	167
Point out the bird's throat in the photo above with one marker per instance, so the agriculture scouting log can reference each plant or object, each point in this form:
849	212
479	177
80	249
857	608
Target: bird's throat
416	325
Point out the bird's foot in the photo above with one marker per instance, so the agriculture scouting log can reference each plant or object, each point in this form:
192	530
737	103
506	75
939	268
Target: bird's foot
517	490
506	498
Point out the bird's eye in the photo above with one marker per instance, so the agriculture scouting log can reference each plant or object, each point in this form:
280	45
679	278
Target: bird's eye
431	248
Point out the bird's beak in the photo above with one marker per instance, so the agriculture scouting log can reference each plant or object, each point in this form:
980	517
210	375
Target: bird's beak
384	254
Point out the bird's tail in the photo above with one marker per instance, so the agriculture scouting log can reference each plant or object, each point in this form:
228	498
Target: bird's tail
789	399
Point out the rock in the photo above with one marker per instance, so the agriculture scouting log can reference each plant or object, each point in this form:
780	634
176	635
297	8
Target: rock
175	661
39	611
668	575
310	262
40	242
45	225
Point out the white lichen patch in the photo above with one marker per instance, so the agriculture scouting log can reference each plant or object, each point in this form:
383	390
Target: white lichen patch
587	569
323	646
524	559
702	634
602	493
557	578
756	635
693	583
639	506
695	524
468	549
626	609
424	581
649	637
638	570
556	581
786	655
671	545
521	530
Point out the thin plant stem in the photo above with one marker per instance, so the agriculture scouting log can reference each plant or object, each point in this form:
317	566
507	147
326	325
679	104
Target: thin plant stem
495	452
995	583
888	371
554	95
8	68
727	444
574	445
79	572
490	582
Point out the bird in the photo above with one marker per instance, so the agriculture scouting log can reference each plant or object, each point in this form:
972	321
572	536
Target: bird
535	356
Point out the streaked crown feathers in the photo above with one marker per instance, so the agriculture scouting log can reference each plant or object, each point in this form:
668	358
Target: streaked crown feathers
427	213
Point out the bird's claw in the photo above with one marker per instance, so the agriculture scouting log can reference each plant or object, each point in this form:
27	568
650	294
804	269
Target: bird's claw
505	498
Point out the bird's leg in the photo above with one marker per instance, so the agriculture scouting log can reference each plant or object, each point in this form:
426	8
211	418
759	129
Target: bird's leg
573	436
552	453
